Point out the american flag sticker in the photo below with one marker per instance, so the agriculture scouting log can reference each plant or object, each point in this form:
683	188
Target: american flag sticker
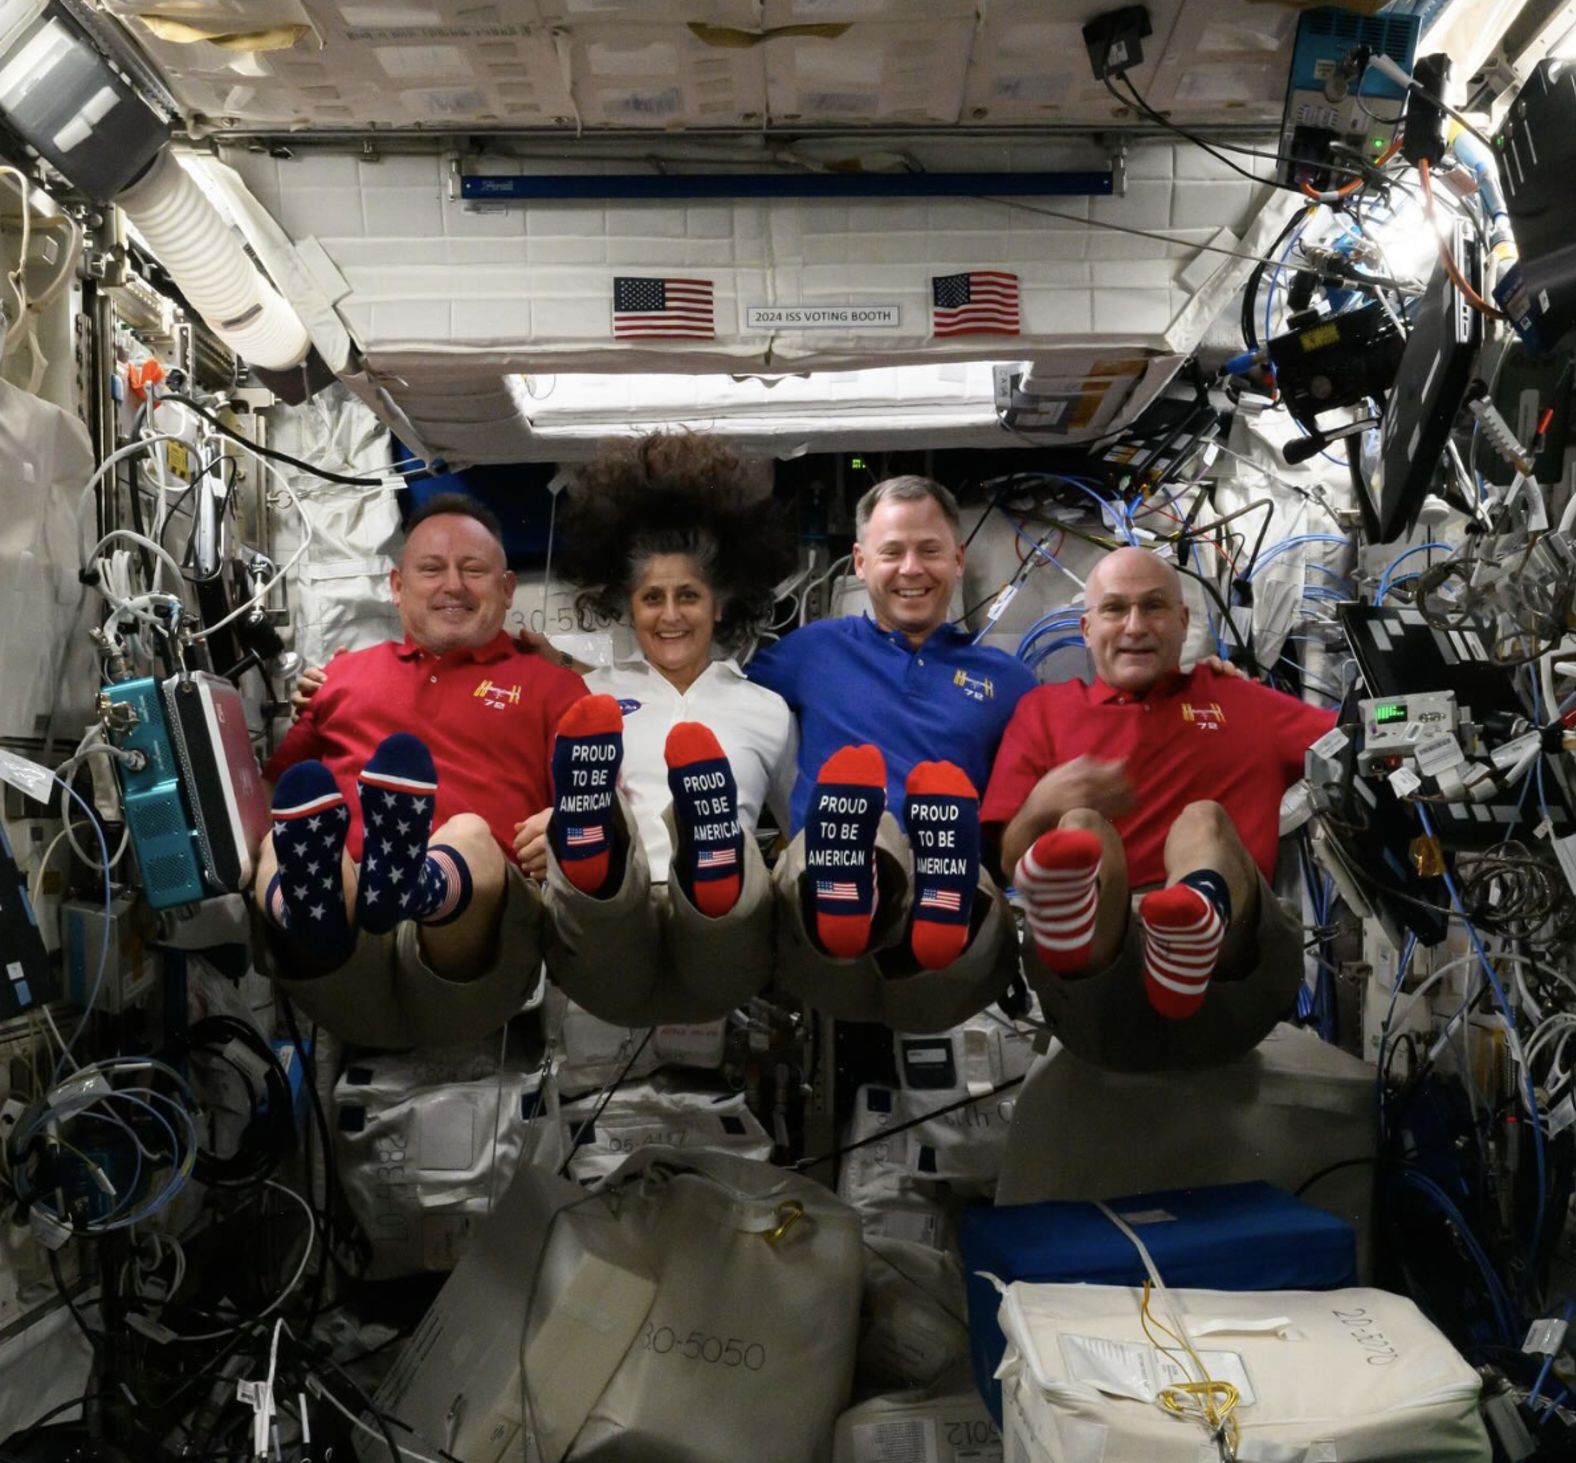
717	858
582	837
836	889
658	309
980	302
948	899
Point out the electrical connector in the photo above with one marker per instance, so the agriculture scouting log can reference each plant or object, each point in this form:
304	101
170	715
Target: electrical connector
1114	40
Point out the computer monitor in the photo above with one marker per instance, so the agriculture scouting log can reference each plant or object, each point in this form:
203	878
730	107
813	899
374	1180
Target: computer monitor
1430	384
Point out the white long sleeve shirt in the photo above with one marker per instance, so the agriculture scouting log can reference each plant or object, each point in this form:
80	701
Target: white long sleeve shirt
754	726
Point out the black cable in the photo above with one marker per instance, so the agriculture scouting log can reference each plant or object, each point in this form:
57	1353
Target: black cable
270	452
270	1131
1170	126
94	1339
885	1133
1250	290
589	1125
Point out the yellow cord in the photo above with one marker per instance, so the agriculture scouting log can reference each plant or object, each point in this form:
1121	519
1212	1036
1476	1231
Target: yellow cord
1206	1400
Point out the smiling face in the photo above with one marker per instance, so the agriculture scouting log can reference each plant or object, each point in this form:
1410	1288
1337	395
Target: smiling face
674	614
1134	620
452	585
909	559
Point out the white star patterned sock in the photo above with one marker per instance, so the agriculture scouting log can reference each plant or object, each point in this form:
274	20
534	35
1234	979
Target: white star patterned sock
398	789
306	896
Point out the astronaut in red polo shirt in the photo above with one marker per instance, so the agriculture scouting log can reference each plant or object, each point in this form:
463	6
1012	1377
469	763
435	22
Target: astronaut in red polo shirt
1167	782
392	907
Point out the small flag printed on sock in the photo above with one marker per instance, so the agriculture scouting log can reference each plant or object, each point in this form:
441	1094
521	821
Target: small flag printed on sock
840	848
307	895
1059	879
398	789
708	861
586	758
942	815
1184	927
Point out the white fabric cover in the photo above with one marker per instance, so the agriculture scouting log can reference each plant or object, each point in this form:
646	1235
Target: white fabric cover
877	1181
48	458
340	594
965	1145
1332	1377
657	1114
952	1427
748	1348
915	1316
426	1144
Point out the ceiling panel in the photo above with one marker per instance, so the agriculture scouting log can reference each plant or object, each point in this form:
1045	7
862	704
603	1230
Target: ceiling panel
349	65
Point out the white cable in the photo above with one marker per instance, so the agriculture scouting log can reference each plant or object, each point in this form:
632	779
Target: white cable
295	1280
17	276
321	1391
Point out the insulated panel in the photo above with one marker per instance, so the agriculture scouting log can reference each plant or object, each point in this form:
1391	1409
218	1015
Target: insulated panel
582	65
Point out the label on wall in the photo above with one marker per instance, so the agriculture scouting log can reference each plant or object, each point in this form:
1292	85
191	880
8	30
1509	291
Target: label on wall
823	317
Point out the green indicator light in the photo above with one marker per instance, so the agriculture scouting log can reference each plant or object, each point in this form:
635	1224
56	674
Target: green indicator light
1378	144
1395	711
856	463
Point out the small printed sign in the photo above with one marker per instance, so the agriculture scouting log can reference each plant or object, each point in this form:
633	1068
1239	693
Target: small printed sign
823	317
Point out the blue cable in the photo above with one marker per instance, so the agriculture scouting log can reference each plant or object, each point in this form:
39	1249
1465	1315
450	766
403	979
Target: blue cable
1499	1297
1384	579
1286	544
1510	1020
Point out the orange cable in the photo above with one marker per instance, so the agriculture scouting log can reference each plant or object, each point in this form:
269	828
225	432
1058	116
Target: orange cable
1470	295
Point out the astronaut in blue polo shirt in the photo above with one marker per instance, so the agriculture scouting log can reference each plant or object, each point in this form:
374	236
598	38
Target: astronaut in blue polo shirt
875	926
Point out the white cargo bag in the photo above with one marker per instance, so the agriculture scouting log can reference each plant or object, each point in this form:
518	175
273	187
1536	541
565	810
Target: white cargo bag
748	1348
875	1177
914	1317
914	1428
966	1145
659	1113
1323	1377
426	1144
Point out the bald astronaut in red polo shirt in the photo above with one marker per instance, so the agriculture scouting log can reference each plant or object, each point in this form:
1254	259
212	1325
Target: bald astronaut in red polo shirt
424	756
1152	779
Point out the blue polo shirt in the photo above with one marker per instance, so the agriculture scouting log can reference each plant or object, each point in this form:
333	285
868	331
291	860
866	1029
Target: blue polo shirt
850	681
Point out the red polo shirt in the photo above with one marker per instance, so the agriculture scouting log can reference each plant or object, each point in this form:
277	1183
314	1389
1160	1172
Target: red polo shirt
1195	737
488	716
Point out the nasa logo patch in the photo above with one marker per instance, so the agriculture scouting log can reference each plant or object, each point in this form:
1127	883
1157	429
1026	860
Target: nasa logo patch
628	706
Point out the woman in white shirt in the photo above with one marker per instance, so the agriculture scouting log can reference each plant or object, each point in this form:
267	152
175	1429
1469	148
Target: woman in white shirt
673	536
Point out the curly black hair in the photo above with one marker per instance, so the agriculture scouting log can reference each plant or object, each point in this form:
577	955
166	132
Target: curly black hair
675	493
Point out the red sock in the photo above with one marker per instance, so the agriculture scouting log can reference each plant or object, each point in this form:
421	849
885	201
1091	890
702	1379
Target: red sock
709	859
1059	880
942	814
586	754
1182	936
840	848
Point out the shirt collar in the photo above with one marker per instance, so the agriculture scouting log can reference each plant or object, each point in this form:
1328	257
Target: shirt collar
727	666
1104	695
500	647
945	634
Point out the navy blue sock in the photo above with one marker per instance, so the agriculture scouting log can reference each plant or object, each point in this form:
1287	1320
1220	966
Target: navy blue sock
709	861
840	848
586	757
942	815
306	897
398	790
443	892
1214	888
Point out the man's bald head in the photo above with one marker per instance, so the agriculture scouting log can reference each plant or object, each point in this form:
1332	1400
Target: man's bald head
1134	620
1124	563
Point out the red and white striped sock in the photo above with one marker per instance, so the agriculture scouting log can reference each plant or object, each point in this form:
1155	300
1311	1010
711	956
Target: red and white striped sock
1059	880
1183	931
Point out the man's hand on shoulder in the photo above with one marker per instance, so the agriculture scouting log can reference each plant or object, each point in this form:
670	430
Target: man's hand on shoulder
308	685
1221	667
531	640
530	844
